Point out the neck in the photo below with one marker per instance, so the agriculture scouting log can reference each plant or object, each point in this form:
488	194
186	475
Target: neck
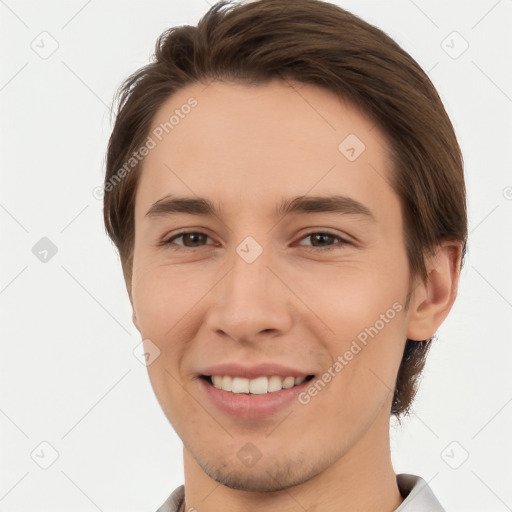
361	479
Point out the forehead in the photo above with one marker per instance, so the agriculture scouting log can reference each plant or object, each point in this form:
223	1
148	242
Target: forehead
262	142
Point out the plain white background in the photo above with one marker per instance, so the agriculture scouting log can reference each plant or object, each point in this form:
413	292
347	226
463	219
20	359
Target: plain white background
69	377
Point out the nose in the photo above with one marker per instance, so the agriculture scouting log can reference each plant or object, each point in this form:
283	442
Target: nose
251	301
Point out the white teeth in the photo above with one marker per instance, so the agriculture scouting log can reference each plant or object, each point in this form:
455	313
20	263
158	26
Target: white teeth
240	385
288	382
258	386
227	382
275	384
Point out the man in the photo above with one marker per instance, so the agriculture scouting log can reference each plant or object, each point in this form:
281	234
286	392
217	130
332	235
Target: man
286	193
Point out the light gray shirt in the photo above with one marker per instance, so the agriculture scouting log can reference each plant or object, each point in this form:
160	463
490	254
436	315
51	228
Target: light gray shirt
418	497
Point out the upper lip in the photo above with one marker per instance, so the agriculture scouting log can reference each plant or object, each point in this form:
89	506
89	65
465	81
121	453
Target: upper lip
251	372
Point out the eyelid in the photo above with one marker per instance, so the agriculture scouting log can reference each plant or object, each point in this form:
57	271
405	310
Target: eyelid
340	244
342	240
167	240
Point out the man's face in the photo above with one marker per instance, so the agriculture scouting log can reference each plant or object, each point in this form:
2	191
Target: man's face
300	290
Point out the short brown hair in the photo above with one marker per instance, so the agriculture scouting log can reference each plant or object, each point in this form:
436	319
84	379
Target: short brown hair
315	42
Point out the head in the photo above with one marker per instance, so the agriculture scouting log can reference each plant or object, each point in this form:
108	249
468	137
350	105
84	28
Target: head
261	102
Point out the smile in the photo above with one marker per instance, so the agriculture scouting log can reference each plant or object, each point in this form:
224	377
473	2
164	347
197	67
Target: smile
255	398
257	386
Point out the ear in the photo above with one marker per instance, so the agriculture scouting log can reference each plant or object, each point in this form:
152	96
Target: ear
134	318
432	301
134	313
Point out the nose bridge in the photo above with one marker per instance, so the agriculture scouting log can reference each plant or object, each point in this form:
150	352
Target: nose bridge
250	298
249	277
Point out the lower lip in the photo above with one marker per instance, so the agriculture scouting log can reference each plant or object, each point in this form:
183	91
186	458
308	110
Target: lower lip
242	405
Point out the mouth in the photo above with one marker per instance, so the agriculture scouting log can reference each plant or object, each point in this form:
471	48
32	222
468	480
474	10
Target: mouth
259	386
258	398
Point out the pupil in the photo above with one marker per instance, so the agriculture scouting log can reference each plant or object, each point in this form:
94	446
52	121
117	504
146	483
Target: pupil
325	235
193	236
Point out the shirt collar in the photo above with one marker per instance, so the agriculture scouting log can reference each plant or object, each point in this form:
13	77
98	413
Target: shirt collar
418	497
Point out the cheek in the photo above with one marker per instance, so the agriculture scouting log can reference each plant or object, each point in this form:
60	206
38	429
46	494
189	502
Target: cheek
366	316
165	300
349	298
162	296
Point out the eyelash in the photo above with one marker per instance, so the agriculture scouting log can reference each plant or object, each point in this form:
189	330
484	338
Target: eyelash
169	242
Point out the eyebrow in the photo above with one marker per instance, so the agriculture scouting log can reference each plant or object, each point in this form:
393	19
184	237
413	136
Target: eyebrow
169	205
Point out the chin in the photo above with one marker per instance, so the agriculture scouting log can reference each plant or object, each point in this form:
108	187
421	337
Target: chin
264	476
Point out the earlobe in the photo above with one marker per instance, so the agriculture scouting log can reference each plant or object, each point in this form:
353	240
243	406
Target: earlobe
134	319
134	314
432	301
129	287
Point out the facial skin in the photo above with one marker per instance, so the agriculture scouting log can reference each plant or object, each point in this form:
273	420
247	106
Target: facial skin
246	149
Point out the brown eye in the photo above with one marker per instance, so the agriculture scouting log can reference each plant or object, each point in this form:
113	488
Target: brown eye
321	240
189	239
